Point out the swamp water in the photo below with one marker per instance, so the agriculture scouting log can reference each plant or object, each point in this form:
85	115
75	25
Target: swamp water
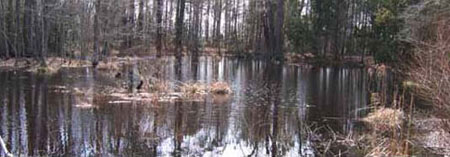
266	115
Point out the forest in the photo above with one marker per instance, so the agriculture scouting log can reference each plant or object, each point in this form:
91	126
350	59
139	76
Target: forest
91	29
224	78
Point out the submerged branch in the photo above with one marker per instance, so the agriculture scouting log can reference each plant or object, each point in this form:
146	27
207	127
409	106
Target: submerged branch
5	150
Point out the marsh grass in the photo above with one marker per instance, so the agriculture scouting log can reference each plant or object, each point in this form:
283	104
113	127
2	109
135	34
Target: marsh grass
386	131
385	119
198	90
220	88
193	90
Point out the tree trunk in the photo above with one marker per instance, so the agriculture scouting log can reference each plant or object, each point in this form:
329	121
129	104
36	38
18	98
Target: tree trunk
140	20
18	35
43	35
159	27
10	29
208	6
279	39
269	28
179	27
95	57
196	27
3	37
218	18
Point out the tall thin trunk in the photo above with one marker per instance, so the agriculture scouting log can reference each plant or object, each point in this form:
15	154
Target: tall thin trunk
9	21
208	7
279	25
140	20
345	28
44	35
3	37
235	25
18	36
218	18
196	22
269	28
166	22
179	27
130	23
159	27
227	23
336	30
96	33
172	8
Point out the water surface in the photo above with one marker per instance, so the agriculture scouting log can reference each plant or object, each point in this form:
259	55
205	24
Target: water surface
266	115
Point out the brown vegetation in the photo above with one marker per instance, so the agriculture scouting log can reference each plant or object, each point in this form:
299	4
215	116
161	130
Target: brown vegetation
387	131
387	136
197	91
429	71
431	66
385	119
159	86
298	57
108	66
328	60
187	92
220	88
193	91
52	64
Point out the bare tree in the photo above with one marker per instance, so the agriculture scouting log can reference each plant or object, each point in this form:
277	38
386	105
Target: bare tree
179	27
96	33
159	27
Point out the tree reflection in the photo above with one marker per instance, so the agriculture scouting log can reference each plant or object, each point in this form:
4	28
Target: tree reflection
266	116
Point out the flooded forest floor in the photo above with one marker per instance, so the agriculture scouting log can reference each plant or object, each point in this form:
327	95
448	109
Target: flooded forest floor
136	78
385	121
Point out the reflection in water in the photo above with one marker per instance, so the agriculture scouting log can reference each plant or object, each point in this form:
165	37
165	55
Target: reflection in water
271	104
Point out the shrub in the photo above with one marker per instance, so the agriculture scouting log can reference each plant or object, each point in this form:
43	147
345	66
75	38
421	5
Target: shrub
220	88
429	31
192	90
385	119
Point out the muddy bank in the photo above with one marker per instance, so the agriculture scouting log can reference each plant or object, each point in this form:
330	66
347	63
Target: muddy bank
346	61
51	66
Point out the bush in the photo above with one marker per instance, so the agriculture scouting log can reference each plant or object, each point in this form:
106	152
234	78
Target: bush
220	88
385	119
429	31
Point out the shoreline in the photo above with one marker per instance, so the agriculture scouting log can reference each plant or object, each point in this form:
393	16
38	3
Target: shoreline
25	63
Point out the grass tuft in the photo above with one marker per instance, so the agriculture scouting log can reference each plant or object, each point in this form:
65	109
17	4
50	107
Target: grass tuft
385	119
220	88
192	90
